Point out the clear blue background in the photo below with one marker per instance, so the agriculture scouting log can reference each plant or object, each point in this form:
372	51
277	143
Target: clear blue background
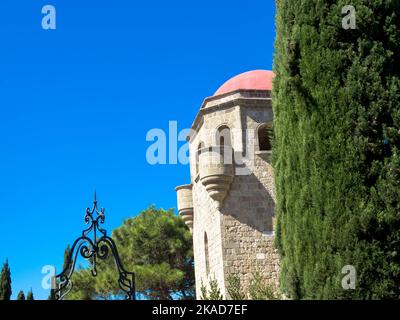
76	104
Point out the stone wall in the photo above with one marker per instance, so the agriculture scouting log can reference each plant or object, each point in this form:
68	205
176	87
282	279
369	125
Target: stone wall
240	234
248	213
207	218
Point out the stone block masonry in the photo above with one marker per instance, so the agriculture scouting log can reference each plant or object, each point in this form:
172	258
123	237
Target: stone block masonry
233	226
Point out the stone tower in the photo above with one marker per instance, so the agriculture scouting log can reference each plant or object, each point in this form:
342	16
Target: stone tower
229	204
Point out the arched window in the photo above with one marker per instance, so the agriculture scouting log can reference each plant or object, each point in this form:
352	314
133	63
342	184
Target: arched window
207	257
198	151
264	137
224	136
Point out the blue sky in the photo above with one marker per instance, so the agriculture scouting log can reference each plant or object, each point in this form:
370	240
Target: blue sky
77	102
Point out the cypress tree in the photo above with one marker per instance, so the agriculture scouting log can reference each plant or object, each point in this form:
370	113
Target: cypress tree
67	253
29	296
336	103
5	282
21	295
52	295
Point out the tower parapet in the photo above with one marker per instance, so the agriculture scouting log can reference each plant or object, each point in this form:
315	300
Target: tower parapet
217	171
185	204
230	202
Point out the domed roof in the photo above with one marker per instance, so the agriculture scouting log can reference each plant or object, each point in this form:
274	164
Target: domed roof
252	80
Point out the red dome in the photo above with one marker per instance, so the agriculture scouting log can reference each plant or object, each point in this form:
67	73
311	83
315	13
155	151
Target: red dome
252	80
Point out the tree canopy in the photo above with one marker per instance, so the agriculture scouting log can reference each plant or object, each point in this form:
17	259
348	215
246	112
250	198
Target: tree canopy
30	296
157	246
336	156
5	282
21	295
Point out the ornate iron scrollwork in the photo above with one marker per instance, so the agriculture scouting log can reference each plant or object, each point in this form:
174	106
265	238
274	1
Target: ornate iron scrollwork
91	249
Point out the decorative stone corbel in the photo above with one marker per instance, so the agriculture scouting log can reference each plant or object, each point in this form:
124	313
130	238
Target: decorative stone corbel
185	204
217	171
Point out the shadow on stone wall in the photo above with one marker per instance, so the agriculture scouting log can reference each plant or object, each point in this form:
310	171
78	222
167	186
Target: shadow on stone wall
250	203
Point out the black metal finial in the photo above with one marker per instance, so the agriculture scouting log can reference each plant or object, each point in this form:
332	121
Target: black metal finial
91	248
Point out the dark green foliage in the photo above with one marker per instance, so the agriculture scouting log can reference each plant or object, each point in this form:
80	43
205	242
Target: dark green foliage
84	286
336	103
213	293
29	296
52	295
260	290
67	254
21	295
270	133
234	288
204	293
5	282
157	245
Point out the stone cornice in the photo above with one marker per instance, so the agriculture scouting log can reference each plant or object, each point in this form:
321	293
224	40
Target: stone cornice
244	98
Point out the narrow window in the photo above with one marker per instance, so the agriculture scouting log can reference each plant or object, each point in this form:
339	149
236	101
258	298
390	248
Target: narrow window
206	254
224	136
221	140
200	146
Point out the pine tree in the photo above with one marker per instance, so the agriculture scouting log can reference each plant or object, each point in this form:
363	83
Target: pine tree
5	282
336	156
21	295
29	296
155	244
